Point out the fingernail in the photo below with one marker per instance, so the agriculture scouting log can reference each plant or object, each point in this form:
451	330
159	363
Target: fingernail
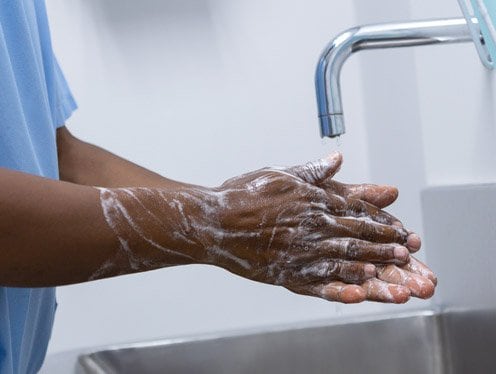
401	253
334	156
370	271
413	241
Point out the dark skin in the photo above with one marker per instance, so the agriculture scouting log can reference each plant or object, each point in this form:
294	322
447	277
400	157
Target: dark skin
54	232
350	245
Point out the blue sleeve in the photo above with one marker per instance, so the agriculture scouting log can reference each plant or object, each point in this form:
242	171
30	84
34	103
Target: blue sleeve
62	99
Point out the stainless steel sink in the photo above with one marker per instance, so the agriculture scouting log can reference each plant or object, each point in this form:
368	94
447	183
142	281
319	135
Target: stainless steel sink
422	342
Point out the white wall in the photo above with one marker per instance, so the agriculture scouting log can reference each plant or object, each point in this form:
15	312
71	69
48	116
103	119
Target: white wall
202	90
457	97
439	101
431	120
391	113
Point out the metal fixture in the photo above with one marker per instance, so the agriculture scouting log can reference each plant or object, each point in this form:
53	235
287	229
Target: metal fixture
419	342
483	32
390	35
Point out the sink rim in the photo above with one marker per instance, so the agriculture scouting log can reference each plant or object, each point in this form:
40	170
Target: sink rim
347	320
442	332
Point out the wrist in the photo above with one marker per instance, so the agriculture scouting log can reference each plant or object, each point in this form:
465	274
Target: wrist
222	216
154	227
198	210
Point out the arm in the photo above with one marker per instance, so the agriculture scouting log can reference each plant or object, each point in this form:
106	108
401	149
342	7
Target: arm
96	166
86	164
56	233
275	226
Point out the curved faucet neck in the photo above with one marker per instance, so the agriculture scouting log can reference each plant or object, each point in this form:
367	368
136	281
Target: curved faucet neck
389	35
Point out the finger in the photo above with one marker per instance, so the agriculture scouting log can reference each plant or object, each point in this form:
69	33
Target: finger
413	242
331	270
316	171
378	195
365	210
359	208
369	230
334	291
418	285
417	267
361	250
378	290
342	292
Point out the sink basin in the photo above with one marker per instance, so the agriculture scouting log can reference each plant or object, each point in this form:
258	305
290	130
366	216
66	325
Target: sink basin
421	342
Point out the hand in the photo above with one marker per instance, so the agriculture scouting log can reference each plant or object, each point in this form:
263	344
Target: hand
297	228
294	227
392	284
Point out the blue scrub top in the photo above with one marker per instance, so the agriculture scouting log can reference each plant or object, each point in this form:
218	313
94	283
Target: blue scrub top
34	101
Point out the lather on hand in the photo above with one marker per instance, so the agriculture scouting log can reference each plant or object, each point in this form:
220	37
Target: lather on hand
317	235
415	277
294	227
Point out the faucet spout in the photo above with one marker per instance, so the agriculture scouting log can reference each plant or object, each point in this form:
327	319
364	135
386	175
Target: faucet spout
389	35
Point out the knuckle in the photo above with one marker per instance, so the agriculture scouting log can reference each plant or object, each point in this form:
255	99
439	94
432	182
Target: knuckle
352	249
401	233
366	230
359	206
333	268
317	220
386	251
384	218
315	194
338	204
351	273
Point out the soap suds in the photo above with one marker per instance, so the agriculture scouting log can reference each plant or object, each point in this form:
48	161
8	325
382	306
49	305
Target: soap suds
269	225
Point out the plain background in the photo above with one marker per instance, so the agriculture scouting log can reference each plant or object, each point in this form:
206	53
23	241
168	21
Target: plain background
202	90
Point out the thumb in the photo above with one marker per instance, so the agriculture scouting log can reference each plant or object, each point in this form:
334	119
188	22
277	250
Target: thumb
316	172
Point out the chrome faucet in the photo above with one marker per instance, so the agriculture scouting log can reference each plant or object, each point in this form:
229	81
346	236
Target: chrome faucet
390	35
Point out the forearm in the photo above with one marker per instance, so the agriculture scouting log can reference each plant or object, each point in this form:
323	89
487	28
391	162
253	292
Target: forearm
55	233
86	164
282	226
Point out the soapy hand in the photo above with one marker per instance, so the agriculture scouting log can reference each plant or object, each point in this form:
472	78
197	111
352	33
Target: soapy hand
297	228
294	227
394	284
